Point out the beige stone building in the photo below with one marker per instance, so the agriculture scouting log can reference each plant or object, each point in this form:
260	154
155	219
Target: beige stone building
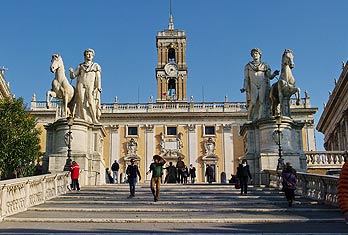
173	125
333	122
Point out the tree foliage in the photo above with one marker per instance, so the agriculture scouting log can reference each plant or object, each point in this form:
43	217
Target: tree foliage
19	139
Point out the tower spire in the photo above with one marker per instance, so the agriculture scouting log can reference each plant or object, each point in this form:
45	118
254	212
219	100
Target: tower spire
171	23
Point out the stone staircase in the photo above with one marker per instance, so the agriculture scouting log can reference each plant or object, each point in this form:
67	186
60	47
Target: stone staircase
189	208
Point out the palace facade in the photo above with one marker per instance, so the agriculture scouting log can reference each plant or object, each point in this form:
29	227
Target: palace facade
173	125
333	122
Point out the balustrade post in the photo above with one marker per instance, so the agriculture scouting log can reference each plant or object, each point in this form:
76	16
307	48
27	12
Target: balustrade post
44	188
3	201
323	189
27	194
55	186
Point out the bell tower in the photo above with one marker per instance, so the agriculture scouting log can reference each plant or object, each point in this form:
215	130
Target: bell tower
171	71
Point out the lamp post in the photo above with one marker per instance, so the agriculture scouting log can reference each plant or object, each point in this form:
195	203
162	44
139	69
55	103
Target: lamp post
67	165
277	139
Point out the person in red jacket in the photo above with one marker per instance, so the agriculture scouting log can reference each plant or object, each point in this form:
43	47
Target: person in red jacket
75	173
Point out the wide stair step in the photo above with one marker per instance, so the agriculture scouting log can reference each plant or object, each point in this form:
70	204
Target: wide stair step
177	204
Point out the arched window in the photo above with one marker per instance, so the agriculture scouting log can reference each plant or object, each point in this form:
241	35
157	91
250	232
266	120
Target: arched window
171	55
171	88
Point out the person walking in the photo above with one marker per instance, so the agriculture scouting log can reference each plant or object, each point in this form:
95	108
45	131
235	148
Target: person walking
132	173
75	173
179	166
192	173
185	174
171	174
289	183
156	168
115	167
243	172
108	177
209	173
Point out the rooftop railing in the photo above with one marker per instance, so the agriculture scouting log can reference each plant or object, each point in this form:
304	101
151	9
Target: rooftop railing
168	106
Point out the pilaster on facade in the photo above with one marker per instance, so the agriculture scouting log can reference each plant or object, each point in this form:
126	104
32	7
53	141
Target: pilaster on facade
114	144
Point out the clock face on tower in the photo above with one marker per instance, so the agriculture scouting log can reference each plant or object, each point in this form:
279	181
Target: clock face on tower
171	69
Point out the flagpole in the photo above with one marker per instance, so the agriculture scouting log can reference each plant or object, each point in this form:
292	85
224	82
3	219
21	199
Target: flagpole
138	94
203	93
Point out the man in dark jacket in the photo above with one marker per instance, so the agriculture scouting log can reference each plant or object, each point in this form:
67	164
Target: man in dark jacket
132	173
243	172
115	167
209	173
179	166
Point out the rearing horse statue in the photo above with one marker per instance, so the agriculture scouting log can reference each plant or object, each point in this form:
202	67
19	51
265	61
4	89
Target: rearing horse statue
282	90
61	88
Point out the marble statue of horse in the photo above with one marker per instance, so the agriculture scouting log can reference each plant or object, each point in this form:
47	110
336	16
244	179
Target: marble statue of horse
61	88
285	86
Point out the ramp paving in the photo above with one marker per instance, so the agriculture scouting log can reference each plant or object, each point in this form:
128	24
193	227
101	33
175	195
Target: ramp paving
181	209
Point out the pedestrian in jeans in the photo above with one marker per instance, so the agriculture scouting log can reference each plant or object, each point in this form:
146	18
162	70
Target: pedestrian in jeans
132	173
156	168
243	172
75	173
192	173
115	167
180	166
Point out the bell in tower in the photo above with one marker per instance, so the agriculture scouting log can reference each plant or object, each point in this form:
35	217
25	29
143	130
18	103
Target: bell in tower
171	71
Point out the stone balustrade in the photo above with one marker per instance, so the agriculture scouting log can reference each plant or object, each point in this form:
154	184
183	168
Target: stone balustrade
325	159
313	186
18	195
167	106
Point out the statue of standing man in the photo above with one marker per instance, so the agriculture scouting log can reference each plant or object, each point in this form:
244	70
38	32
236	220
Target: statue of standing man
256	84
88	88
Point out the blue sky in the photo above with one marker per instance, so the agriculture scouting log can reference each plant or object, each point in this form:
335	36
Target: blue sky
220	35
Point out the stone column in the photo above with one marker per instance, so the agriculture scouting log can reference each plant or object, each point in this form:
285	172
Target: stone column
192	140
228	151
150	146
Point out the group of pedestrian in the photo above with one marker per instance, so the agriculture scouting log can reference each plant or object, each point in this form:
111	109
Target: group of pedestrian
180	173
289	177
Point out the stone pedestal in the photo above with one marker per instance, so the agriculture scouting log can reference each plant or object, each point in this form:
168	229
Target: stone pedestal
86	149
262	149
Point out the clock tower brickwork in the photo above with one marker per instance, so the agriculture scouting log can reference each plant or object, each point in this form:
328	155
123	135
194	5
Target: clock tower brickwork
171	71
